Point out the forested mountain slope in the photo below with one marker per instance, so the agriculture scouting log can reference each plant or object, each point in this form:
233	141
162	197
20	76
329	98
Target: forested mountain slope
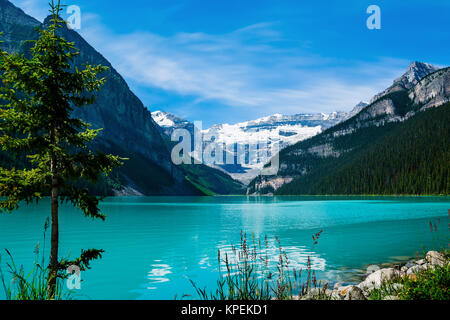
128	128
398	144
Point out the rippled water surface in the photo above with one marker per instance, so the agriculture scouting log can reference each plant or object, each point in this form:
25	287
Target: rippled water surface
154	246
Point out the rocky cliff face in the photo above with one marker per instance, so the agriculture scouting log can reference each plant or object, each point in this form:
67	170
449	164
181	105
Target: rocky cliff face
415	72
17	27
433	90
128	126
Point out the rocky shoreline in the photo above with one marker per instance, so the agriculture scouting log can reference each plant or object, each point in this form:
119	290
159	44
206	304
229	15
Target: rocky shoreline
376	279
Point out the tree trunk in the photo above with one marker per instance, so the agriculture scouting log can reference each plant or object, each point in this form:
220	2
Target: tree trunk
53	272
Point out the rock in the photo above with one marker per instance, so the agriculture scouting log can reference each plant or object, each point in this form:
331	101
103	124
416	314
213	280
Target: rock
337	285
404	269
421	262
328	293
376	279
413	277
410	264
315	292
343	290
391	298
435	258
336	296
354	293
432	91
397	286
415	269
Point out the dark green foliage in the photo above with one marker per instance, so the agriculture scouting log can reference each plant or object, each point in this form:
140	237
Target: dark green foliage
399	158
430	284
38	95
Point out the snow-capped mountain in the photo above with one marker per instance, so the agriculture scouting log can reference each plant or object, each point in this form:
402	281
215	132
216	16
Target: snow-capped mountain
286	130
169	122
283	130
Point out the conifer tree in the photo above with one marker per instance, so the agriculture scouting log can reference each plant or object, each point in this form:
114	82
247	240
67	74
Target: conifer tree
39	93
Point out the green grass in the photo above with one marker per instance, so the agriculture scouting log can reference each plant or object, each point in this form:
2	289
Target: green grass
29	286
247	273
32	285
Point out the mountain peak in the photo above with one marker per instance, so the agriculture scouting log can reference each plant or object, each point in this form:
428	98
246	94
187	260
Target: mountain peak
415	72
419	64
167	119
357	109
361	104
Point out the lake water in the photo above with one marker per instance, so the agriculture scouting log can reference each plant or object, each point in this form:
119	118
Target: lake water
155	245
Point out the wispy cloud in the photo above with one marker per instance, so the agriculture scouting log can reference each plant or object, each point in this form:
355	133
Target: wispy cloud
242	68
251	67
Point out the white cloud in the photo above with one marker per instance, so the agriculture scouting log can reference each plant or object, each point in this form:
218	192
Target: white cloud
241	69
247	68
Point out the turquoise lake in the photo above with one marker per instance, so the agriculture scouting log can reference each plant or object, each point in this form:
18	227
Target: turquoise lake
154	246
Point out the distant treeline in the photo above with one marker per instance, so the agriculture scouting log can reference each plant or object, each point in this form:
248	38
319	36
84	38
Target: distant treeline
411	158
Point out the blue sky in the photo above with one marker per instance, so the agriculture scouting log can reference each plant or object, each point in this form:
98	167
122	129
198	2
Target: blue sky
231	61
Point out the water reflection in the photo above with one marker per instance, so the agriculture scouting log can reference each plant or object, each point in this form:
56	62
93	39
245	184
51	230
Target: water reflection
297	257
158	274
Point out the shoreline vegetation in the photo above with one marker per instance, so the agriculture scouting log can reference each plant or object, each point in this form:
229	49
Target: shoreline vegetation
247	273
427	278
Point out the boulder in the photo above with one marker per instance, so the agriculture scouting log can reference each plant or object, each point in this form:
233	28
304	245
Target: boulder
376	279
421	262
435	258
391	298
416	268
336	296
354	293
343	290
337	285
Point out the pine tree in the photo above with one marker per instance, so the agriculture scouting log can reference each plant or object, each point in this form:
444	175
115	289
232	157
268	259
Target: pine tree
39	93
